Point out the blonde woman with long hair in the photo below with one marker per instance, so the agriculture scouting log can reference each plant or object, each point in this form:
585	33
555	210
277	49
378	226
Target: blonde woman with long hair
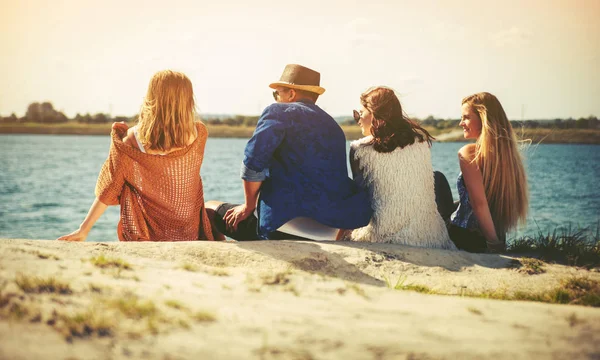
153	169
492	185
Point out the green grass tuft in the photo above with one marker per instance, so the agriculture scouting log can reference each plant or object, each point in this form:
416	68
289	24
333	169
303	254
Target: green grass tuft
189	267
34	284
133	308
280	278
204	316
16	311
474	310
218	272
46	256
175	304
400	285
87	324
531	266
106	262
564	245
575	291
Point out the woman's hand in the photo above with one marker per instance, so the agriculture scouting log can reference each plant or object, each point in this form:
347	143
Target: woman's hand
235	215
96	210
120	126
77	235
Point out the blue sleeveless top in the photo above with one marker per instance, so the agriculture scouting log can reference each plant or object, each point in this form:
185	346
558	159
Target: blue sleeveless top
463	216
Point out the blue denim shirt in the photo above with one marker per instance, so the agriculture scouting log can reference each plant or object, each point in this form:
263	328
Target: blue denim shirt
299	152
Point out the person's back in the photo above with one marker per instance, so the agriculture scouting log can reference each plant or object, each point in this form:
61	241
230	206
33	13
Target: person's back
161	195
296	161
401	186
311	159
152	171
393	162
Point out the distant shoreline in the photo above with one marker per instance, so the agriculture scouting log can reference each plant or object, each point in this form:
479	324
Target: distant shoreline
540	135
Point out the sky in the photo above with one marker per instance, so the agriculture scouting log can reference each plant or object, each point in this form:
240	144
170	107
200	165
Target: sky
541	58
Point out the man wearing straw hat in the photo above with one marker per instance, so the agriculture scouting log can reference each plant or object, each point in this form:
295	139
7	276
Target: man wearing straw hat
294	170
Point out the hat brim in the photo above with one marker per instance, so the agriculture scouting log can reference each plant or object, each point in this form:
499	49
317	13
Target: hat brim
312	88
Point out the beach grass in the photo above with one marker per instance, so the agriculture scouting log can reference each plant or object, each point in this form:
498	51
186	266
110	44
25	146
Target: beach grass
574	291
218	272
189	267
87	323
175	304
35	284
564	245
400	285
134	308
204	316
104	262
44	256
531	266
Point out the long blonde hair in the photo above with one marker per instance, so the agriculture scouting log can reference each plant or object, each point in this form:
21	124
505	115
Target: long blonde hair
498	158
167	116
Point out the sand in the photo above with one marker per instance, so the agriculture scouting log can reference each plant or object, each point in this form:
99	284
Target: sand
283	300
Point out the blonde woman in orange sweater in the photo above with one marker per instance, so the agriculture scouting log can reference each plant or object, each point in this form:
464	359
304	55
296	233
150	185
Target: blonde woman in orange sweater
153	169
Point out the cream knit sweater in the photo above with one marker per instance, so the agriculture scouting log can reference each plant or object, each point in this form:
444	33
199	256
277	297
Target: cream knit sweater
401	187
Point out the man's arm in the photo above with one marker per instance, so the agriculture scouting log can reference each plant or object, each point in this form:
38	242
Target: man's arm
269	133
234	215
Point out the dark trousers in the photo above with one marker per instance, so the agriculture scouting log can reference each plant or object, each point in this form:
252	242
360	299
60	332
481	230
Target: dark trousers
248	228
464	239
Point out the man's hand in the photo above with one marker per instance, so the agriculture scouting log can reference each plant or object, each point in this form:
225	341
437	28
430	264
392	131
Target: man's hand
235	215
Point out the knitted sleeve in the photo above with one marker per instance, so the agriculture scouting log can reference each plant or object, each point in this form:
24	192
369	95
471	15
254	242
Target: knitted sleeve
111	179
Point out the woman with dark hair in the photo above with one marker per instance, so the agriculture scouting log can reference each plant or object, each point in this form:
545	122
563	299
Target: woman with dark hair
393	162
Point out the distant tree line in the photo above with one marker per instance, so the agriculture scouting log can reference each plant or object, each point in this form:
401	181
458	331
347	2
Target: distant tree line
591	122
46	114
237	120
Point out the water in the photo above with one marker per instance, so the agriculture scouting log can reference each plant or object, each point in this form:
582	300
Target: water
47	183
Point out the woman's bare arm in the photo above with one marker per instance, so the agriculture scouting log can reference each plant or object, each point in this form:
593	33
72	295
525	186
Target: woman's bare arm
96	210
474	183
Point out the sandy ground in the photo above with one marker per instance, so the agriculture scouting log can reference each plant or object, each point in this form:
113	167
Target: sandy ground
283	300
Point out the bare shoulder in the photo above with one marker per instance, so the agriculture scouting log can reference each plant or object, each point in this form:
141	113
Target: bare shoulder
129	139
467	153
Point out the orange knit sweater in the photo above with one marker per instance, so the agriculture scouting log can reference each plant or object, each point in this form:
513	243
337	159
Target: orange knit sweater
161	196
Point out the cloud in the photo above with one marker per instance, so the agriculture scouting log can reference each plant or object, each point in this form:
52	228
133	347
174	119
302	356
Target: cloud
413	81
449	32
359	32
512	37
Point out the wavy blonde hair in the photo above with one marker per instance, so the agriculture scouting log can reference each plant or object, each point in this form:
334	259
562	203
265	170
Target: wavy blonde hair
498	157
167	116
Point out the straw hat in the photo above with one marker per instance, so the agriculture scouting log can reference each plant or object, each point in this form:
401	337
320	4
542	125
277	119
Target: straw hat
299	77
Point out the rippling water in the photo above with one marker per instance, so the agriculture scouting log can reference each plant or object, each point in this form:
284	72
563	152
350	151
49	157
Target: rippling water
47	183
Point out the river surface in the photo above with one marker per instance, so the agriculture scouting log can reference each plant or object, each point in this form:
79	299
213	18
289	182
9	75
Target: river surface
47	183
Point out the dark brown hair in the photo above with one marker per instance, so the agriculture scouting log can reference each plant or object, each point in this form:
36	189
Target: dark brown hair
391	128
